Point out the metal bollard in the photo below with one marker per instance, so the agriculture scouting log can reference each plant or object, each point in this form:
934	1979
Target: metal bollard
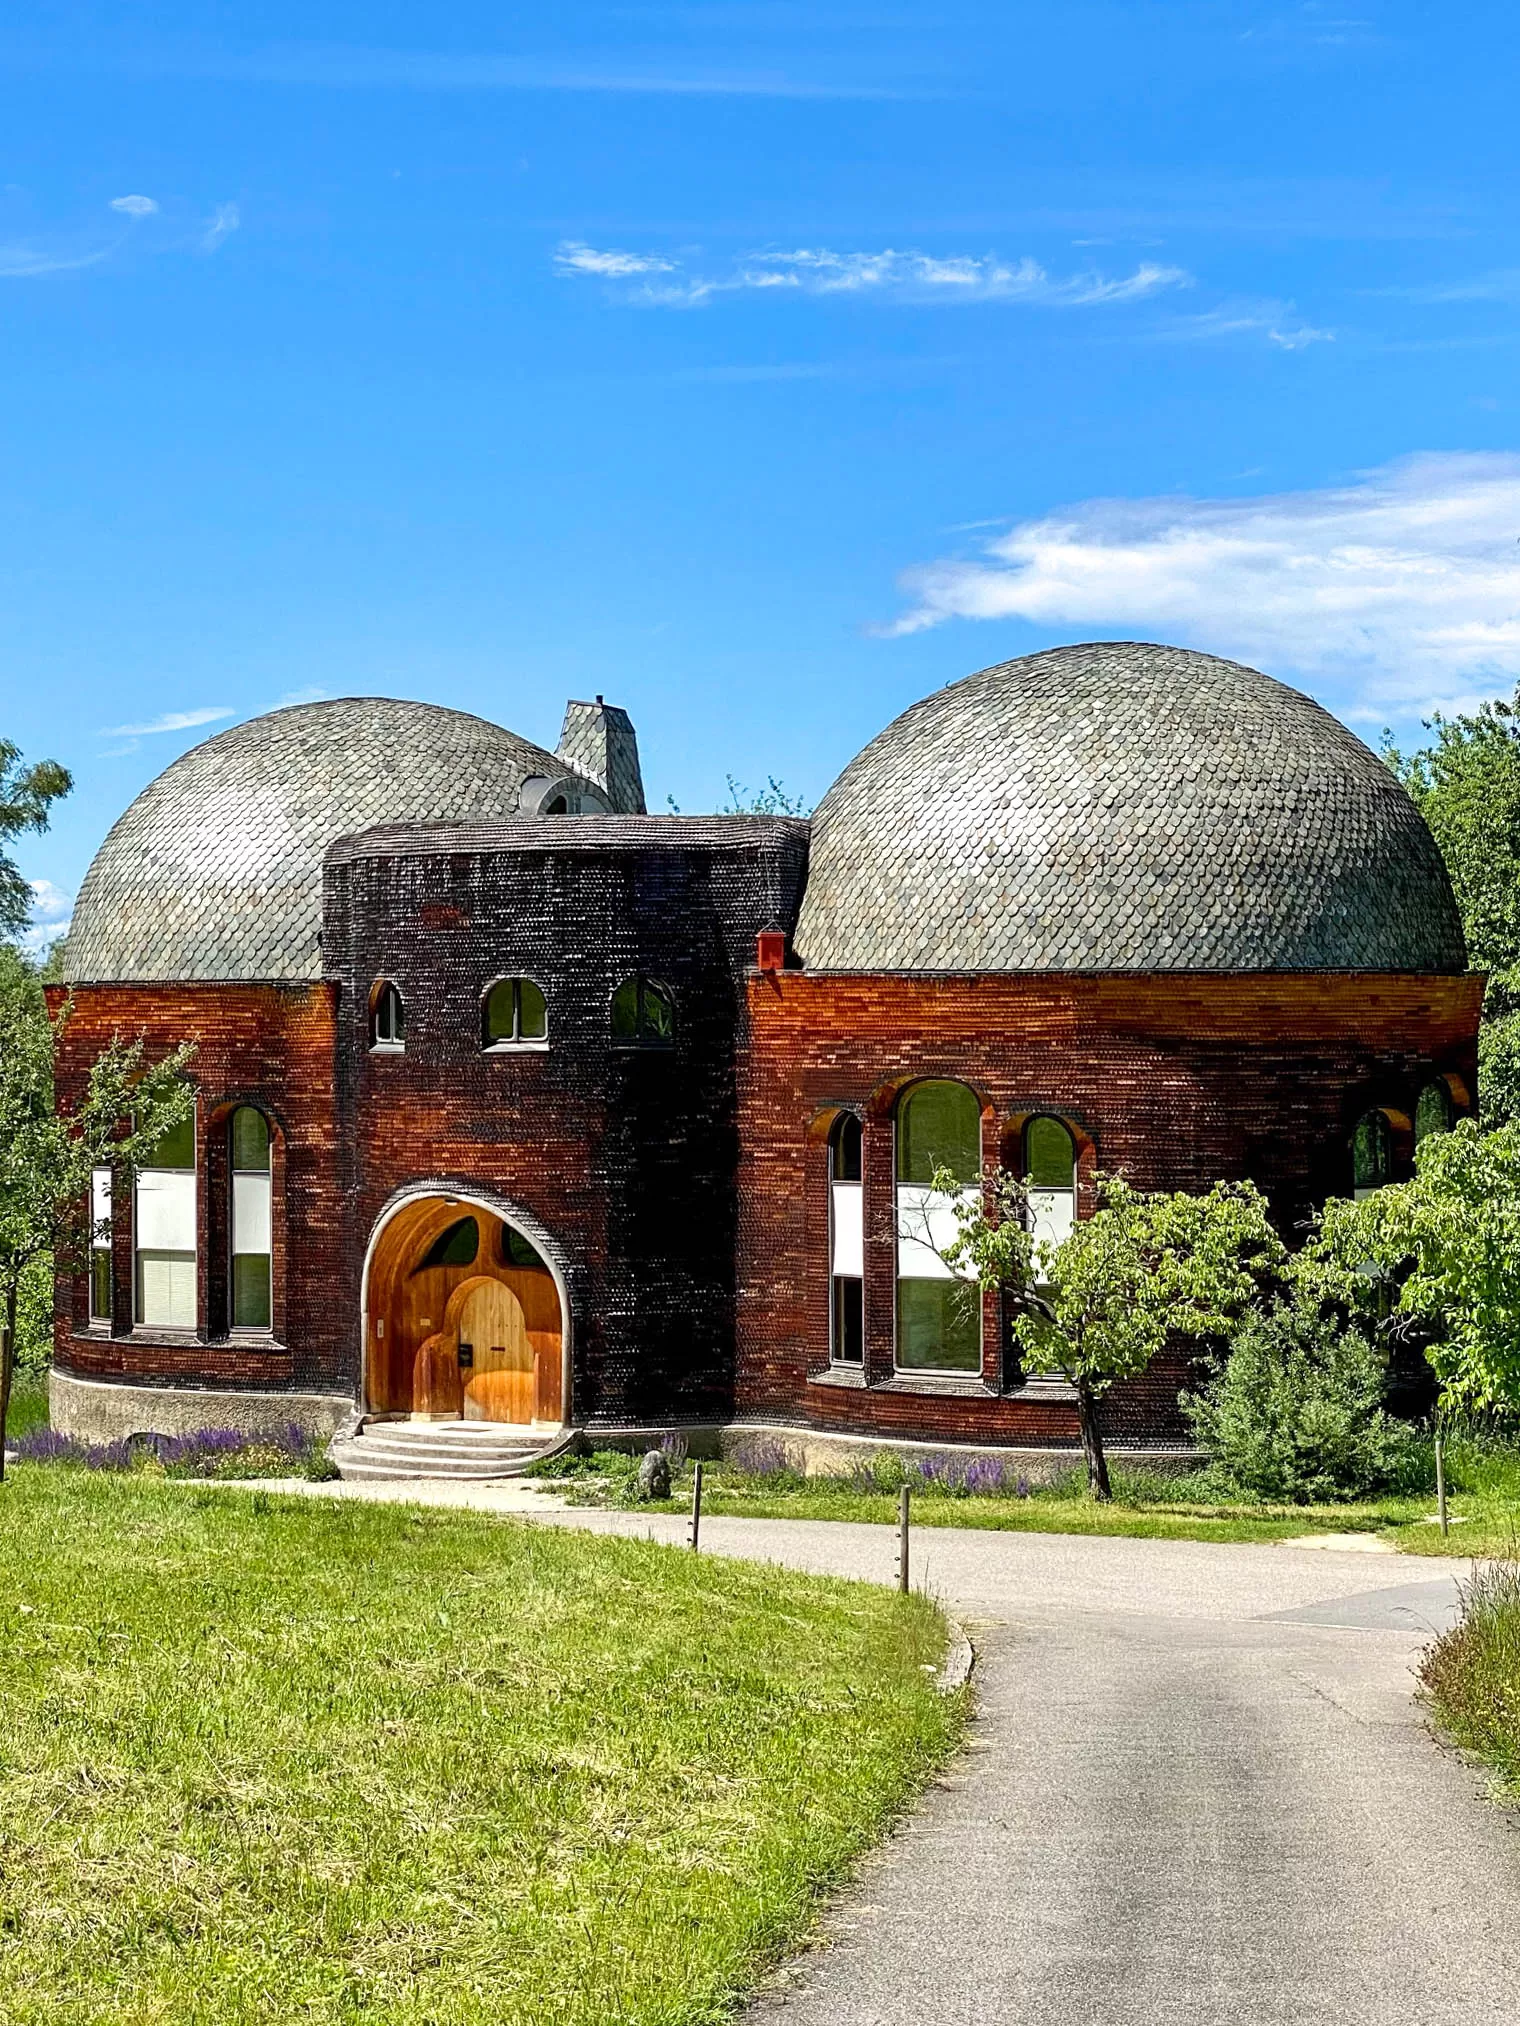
696	1505
1441	1484
902	1539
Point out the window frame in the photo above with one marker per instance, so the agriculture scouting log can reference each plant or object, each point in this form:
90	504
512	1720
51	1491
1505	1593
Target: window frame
1360	1191
1068	1190
383	993
1439	1086
140	1252
101	1312
234	1327
841	1299
515	1043
643	982
962	1373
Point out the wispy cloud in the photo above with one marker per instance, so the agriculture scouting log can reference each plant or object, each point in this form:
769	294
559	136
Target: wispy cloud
20	260
1401	589
224	221
888	274
170	721
134	207
573	256
1278	322
1500	284
313	693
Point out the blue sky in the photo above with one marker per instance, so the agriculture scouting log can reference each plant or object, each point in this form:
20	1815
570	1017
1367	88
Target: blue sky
761	366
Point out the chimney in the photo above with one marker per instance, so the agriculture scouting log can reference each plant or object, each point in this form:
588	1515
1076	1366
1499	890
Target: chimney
599	743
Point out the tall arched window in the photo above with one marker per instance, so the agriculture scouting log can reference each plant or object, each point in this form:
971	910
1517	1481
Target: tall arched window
100	1245
515	1015
252	1220
643	1013
387	1019
1371	1153
847	1343
939	1313
1434	1112
1050	1166
164	1233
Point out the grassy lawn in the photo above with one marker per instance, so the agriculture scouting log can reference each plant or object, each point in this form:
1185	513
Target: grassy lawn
266	1759
1484	1503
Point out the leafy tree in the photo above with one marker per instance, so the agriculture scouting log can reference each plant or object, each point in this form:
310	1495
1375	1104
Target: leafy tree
771	800
1467	785
1297	1411
26	795
1099	1307
1438	1256
46	1159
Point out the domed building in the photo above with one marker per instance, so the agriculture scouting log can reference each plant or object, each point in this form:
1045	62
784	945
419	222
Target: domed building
520	1110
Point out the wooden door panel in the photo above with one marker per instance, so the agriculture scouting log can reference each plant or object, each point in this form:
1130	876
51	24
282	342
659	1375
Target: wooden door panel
498	1385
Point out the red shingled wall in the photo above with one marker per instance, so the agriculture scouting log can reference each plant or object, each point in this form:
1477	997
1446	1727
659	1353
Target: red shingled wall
1178	1081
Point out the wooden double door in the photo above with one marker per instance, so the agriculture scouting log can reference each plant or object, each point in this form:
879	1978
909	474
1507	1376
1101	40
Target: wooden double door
464	1320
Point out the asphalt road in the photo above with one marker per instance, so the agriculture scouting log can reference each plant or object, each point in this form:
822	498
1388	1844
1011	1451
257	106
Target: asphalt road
1198	1791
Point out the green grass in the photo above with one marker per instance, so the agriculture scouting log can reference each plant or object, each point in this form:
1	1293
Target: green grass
1483	1475
29	1405
1472	1673
268	1759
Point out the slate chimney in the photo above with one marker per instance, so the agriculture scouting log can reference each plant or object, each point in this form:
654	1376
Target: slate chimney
599	742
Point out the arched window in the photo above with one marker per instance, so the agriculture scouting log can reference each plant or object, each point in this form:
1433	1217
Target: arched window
1371	1153
252	1220
164	1233
515	1014
387	1019
939	1313
643	1013
846	1242
1434	1112
1050	1167
457	1246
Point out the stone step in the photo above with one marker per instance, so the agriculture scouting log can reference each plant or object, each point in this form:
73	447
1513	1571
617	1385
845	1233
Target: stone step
464	1452
392	1452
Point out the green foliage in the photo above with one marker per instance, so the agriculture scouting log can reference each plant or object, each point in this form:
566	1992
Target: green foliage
1439	1255
1472	1672
275	1759
26	796
1297	1412
771	800
1467	786
34	1315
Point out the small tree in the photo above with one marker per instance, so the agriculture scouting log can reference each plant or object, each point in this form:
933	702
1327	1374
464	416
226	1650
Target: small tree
26	796
1440	1256
1098	1307
46	1158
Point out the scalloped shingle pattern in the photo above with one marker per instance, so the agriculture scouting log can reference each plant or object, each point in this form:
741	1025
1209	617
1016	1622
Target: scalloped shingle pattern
215	871
1121	807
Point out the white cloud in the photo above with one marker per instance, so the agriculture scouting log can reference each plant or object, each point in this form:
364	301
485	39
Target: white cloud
1500	284
573	256
1400	590
908	277
1278	322
52	910
312	693
134	207
170	721
17	261
224	220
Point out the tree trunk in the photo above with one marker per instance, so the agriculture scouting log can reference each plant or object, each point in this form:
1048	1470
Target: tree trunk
1092	1444
7	1364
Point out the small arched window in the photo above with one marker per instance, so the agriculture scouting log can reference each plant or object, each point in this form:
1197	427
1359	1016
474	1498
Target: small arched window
252	1220
516	1015
387	1019
1434	1112
1050	1166
939	1311
457	1246
643	1013
1371	1153
846	1243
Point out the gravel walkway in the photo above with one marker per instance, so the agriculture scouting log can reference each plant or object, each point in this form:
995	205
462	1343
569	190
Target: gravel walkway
1198	1791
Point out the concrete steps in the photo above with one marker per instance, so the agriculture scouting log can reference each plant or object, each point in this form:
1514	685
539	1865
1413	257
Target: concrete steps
455	1452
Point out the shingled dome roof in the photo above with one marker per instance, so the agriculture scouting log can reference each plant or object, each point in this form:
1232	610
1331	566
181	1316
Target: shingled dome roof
1123	807
215	871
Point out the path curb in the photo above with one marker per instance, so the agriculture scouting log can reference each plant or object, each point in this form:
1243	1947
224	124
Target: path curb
959	1660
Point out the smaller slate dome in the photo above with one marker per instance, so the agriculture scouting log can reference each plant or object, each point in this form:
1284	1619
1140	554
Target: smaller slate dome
215	871
1123	807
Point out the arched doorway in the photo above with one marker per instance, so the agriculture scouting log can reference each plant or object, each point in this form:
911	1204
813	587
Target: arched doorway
463	1318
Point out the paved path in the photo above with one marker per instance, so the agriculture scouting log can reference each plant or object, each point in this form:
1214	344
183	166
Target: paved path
1198	1792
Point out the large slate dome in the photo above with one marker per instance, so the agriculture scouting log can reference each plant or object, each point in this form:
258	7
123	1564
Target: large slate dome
215	871
1123	807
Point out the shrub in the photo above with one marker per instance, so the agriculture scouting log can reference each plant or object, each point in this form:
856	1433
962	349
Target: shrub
1297	1412
1472	1673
